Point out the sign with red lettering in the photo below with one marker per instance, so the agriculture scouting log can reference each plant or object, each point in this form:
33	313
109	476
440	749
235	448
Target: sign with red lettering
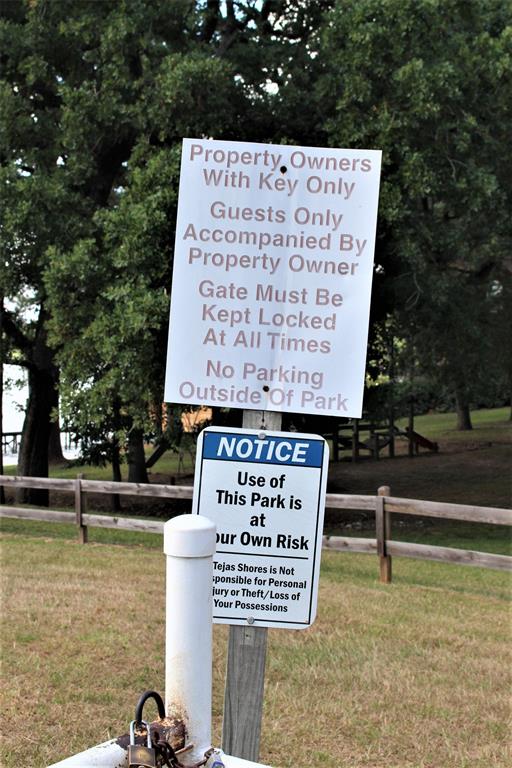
272	277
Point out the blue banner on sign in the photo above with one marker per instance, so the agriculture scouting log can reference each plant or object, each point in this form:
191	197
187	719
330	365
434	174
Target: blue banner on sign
291	451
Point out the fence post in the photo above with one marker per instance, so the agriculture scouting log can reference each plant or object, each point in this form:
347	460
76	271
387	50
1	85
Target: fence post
391	429
80	508
383	532
355	439
335	440
410	428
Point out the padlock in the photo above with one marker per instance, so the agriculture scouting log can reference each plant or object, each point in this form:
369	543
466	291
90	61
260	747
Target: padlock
140	756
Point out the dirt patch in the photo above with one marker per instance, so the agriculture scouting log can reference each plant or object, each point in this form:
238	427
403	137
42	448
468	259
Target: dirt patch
474	474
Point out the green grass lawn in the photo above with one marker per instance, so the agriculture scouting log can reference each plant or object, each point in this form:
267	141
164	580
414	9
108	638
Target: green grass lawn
415	674
170	464
496	539
488	424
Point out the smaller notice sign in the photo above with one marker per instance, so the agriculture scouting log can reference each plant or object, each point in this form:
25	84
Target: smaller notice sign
265	491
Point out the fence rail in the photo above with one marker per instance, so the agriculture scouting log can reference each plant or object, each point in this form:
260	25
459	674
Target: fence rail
383	505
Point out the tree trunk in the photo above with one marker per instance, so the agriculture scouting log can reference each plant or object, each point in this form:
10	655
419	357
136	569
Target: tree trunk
55	455
463	412
136	459
33	456
510	390
42	397
159	451
2	494
116	461
116	474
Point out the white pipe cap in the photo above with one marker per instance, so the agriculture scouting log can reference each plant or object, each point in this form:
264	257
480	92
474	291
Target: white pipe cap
190	536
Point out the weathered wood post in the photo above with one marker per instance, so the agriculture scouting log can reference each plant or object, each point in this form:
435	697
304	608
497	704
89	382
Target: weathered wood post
383	533
391	433
374	442
2	493
247	649
391	424
355	440
335	440
410	428
80	508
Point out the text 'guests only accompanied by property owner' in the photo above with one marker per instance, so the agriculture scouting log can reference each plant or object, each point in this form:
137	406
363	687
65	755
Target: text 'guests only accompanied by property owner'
265	491
272	277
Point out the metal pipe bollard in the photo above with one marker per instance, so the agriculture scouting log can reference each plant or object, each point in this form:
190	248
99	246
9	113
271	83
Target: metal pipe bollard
189	546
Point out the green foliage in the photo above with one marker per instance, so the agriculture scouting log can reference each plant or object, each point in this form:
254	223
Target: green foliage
96	98
429	82
110	306
117	87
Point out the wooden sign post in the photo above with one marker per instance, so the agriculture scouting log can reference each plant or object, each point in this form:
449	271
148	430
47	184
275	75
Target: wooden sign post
245	672
265	491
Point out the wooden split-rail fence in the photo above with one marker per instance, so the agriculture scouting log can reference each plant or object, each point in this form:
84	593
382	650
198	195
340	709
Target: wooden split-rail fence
383	505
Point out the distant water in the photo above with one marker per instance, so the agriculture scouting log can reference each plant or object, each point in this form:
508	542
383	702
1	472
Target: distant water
14	401
11	459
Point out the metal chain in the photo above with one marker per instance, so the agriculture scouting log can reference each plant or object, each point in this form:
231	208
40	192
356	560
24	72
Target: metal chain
167	754
163	750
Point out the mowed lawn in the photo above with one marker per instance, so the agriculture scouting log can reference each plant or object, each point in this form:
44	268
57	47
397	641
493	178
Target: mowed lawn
412	674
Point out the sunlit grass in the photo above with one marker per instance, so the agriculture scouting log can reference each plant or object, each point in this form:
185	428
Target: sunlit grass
488	423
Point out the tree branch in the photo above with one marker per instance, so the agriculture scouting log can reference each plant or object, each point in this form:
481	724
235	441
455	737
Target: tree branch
13	331
20	363
211	21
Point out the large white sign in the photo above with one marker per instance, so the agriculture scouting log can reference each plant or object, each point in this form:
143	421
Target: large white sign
265	491
272	277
